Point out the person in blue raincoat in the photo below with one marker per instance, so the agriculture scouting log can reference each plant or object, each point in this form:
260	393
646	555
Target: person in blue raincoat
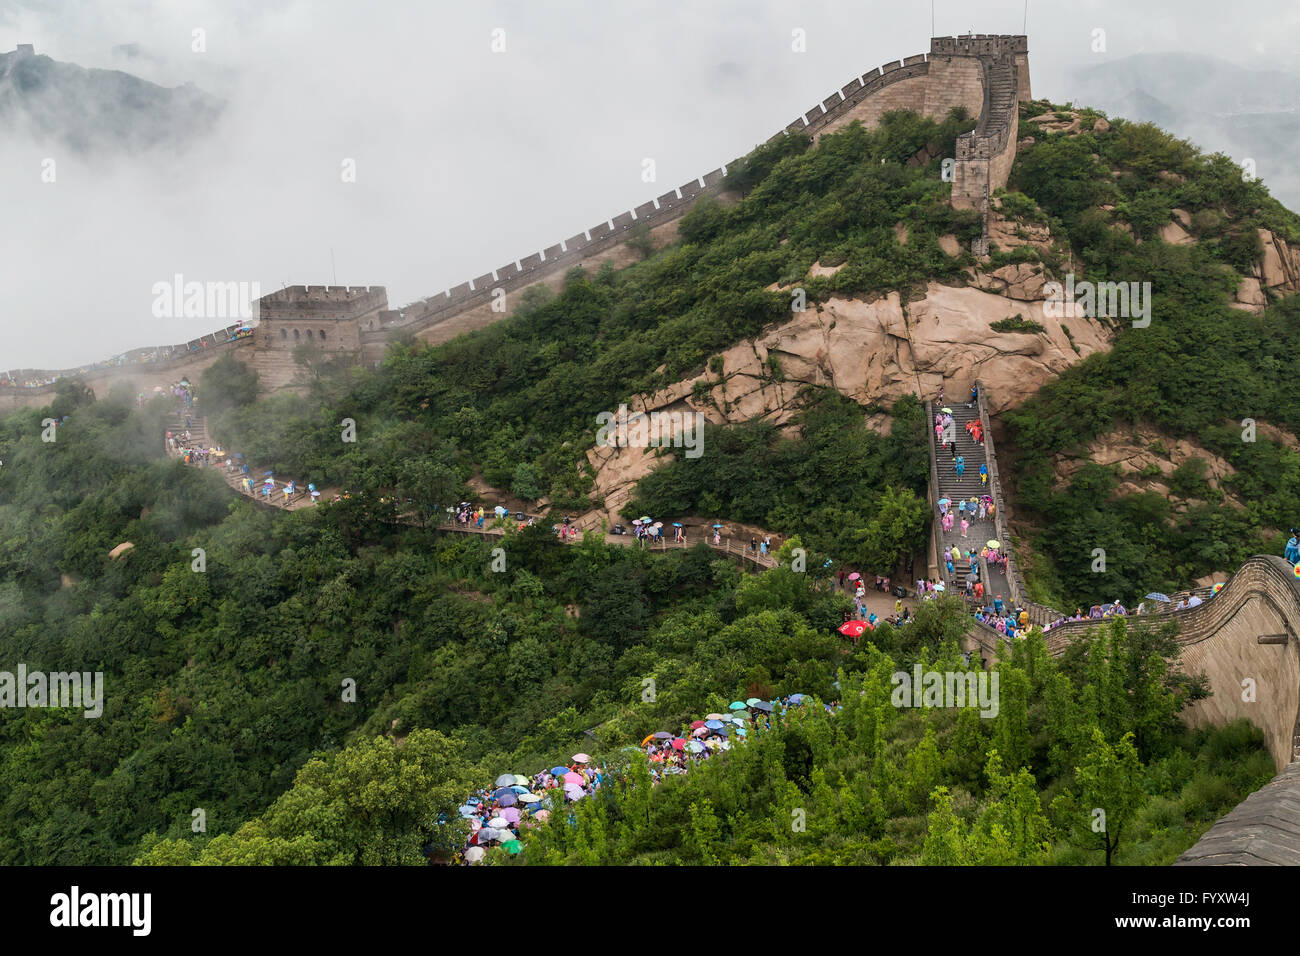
1292	551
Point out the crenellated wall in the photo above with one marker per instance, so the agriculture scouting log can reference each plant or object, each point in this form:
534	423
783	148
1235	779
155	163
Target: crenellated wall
970	71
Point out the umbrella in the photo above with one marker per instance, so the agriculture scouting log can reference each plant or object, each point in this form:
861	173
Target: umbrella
714	716
1296	569
677	524
945	501
736	705
751	701
575	793
714	725
743	732
521	780
700	732
646	519
506	780
474	854
529	798
697	724
994	543
797	698
946	411
738	721
657	525
543	815
663	735
1217	587
717	526
636	520
512	846
561	771
1157	596
678	743
268	473
853	628
499	823
501	792
511	814
764	706
572	779
581	758
938	587
508	799
695	747
467	810
854	576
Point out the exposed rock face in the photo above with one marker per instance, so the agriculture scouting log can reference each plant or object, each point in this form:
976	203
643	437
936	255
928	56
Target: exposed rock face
1132	450
1279	267
874	351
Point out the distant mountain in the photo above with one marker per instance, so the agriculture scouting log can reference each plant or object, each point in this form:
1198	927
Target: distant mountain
1215	104
89	110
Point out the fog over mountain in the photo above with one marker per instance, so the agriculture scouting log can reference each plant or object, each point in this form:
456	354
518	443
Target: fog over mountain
1219	106
96	110
465	158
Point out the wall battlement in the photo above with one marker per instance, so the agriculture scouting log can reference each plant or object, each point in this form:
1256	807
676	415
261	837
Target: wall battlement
986	74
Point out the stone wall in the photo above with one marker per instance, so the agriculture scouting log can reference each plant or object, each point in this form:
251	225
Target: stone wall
1221	638
954	73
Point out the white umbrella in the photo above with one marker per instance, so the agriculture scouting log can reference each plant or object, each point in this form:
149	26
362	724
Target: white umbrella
474	854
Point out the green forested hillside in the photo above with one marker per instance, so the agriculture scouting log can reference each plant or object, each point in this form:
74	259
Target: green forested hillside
229	690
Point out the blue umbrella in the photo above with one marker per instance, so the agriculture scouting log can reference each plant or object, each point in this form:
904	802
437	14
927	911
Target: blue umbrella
713	724
519	788
504	791
1157	596
265	473
508	799
559	771
797	698
677	524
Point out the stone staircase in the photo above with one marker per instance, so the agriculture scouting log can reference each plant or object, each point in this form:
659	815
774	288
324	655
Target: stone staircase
965	487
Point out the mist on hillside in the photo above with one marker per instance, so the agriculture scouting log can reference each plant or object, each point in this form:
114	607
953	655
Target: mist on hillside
471	147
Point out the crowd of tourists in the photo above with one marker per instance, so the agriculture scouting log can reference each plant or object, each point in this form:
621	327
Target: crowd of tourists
498	814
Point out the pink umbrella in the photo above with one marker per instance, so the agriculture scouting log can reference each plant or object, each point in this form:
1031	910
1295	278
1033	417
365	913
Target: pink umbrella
510	814
678	743
543	815
573	779
854	576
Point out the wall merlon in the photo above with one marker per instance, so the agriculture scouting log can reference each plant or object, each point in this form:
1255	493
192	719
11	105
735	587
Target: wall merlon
507	271
713	178
645	210
691	190
483	282
890	67
551	253
916	58
622	221
832	101
668	200
529	263
459	292
850	88
576	242
814	114
797	125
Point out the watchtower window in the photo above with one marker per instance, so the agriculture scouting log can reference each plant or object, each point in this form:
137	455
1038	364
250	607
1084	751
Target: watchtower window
322	335
296	335
284	334
309	333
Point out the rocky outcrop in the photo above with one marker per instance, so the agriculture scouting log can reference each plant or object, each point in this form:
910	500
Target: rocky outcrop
874	351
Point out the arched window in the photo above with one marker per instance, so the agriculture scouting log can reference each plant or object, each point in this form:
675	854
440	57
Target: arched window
284	334
322	335
309	333
296	335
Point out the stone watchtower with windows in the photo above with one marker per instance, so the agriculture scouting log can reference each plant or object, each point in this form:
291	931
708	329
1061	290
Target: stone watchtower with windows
329	317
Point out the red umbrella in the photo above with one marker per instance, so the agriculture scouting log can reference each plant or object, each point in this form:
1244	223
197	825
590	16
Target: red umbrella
678	743
696	724
853	628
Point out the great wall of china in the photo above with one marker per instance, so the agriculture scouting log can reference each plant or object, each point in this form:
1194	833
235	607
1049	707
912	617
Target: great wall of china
985	74
1247	630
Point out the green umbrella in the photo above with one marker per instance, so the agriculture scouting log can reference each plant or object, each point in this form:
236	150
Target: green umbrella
512	846
737	705
752	701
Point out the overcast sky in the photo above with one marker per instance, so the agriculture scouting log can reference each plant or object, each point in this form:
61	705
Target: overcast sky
465	158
